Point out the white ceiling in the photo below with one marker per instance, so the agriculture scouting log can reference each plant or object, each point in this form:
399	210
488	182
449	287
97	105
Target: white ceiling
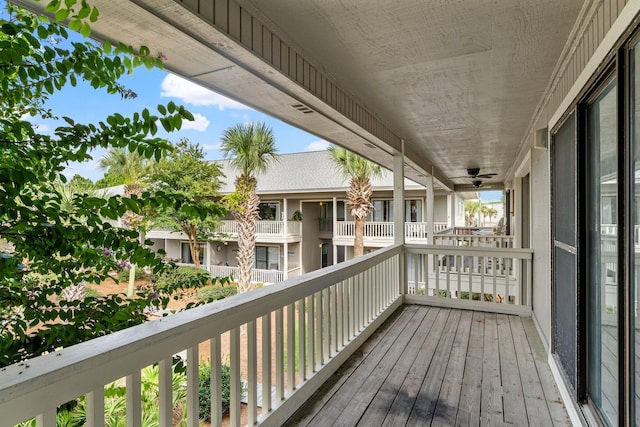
457	80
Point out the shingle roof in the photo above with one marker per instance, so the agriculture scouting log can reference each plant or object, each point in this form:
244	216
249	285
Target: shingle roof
311	171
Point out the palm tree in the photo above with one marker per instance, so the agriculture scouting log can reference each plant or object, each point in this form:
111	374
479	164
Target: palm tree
472	208
359	171
251	149
66	193
132	168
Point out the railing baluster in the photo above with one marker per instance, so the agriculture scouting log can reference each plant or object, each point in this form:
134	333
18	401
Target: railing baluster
252	373
459	262
46	419
301	341
494	269
339	316
234	380
320	331
506	280
133	396
291	348
165	398
279	355
95	407
311	329
327	324
216	380
266	363
482	270
193	402
351	309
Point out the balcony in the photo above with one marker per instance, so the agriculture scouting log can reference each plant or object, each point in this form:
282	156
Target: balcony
257	275
309	327
266	231
379	234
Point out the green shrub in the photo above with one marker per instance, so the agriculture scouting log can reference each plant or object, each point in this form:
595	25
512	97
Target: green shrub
215	292
123	275
204	389
183	276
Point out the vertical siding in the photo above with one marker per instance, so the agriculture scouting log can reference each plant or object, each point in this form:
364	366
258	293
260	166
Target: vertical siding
589	36
230	18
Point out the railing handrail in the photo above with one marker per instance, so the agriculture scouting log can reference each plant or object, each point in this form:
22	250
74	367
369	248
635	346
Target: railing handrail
516	253
56	378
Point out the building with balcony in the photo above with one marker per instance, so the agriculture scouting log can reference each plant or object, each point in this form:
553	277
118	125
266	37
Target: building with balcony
543	94
286	247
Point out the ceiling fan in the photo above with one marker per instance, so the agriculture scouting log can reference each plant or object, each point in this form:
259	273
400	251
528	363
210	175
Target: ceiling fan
474	173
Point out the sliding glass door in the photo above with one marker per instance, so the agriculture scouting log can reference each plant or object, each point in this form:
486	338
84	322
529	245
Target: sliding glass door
602	253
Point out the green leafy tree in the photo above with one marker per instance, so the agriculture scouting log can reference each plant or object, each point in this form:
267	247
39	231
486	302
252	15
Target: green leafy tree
81	183
185	174
251	148
48	249
359	171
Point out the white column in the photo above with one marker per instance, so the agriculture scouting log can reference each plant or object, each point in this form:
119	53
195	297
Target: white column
451	209
398	197
335	226
285	261
429	208
208	249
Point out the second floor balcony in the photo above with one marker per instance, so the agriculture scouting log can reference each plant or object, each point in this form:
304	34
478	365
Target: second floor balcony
387	335
266	231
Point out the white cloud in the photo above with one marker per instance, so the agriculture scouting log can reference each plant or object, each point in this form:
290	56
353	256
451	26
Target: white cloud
176	87
211	146
40	127
317	145
200	123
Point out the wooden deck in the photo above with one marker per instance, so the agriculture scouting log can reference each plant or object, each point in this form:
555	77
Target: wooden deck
436	366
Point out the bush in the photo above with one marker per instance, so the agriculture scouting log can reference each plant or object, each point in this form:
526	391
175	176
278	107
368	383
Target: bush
216	292
183	276
123	275
204	390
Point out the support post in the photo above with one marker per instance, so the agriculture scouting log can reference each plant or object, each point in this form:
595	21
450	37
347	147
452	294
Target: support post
398	197
429	208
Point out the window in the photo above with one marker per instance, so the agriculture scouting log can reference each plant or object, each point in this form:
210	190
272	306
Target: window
185	252
269	211
267	258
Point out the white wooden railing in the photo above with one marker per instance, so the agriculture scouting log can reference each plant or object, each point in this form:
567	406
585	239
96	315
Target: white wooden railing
486	278
310	325
257	275
384	230
474	240
272	228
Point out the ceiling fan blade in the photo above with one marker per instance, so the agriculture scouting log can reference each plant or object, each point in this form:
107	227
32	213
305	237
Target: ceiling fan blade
486	175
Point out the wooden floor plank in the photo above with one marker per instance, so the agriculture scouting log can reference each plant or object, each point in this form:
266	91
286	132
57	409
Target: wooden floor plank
425	404
491	410
471	392
431	365
513	397
382	403
449	399
537	408
557	410
371	348
341	398
406	396
360	400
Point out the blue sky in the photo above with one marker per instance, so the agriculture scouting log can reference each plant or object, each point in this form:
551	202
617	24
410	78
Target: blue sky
213	114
